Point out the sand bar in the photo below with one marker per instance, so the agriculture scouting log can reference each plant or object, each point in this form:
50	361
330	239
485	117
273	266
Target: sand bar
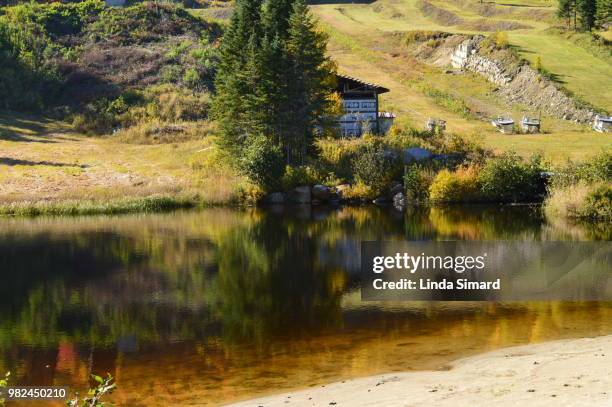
573	373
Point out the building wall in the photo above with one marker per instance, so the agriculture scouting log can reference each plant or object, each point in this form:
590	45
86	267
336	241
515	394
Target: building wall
359	116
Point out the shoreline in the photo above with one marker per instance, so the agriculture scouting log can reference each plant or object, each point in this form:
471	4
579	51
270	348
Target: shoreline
565	372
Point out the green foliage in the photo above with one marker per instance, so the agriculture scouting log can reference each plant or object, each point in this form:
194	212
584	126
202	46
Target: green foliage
510	179
585	14
43	46
417	181
603	13
263	163
94	396
598	203
376	167
461	185
146	22
300	175
273	78
597	169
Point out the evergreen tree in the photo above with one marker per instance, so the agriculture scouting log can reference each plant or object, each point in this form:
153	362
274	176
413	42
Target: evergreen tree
274	79
567	10
587	9
603	14
233	80
311	80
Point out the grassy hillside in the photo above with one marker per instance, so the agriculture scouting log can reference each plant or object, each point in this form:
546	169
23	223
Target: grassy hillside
105	68
581	72
123	94
366	40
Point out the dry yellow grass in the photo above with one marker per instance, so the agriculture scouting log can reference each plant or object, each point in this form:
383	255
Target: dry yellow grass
42	160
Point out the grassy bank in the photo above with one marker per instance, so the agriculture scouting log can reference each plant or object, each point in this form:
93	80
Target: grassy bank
93	207
46	166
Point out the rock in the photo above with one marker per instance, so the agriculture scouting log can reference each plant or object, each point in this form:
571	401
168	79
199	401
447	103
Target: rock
334	198
416	154
300	195
341	189
321	192
399	201
275	198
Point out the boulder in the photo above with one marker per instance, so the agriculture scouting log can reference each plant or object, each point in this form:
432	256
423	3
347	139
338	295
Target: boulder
416	154
399	201
300	195
321	192
275	198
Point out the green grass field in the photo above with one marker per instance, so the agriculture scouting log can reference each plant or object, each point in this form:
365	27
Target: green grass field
363	40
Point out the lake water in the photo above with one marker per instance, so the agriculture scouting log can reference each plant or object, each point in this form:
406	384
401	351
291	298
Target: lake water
220	305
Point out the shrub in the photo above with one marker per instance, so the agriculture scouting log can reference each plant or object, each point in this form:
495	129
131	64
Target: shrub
263	163
422	36
510	179
250	194
597	169
376	167
459	186
500	39
192	79
296	176
417	180
592	201
337	156
359	191
598	203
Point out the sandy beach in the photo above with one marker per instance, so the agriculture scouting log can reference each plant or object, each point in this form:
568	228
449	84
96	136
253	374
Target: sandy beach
572	373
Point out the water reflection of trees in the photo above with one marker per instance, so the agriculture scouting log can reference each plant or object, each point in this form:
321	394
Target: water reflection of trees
219	275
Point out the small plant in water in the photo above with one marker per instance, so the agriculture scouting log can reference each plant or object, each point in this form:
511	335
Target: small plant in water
94	395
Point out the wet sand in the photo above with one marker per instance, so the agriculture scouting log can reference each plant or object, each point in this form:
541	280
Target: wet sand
575	372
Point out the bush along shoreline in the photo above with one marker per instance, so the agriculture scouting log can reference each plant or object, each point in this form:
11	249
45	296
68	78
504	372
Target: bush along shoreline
383	170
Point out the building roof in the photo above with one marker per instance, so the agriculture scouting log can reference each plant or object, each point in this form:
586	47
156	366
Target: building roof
358	82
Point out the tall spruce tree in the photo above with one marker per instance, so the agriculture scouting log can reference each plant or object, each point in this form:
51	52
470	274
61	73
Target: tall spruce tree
311	80
274	79
233	80
565	11
587	10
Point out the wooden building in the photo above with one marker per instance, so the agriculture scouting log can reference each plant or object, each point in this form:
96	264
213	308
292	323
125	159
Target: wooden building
360	102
